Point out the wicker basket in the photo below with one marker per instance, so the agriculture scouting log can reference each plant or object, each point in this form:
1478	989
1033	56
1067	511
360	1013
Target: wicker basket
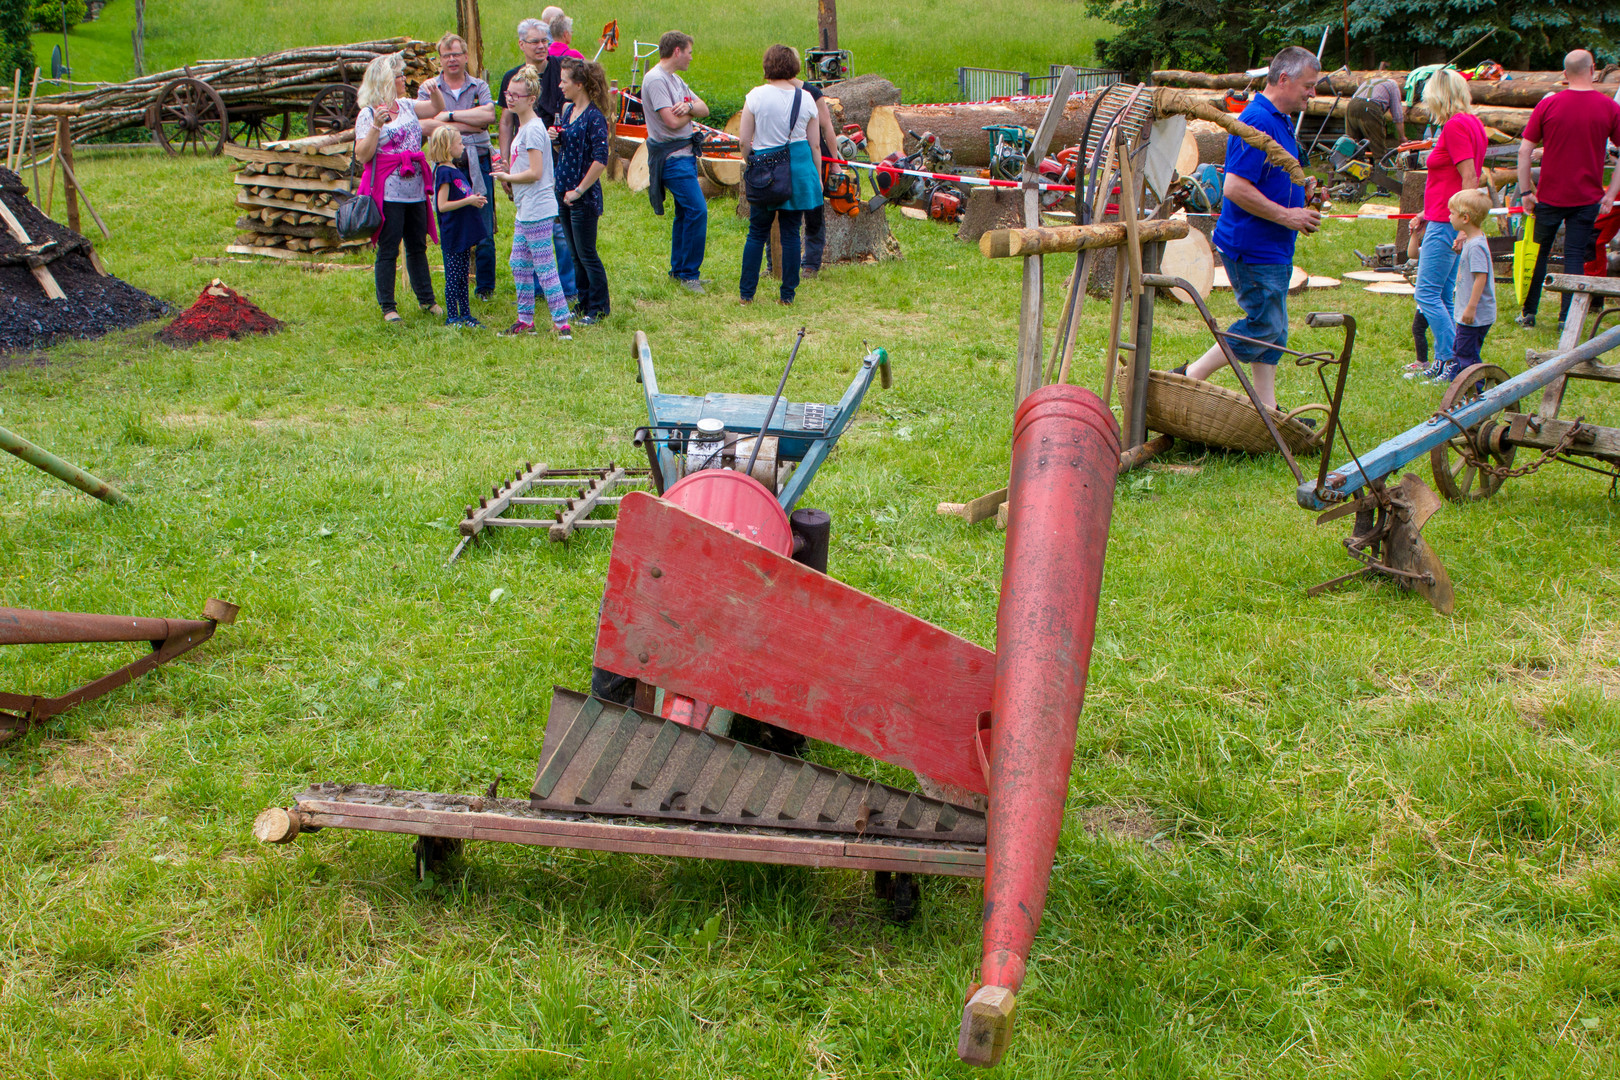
1204	413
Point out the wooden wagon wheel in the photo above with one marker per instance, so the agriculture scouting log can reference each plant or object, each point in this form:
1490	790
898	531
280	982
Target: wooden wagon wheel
255	128
189	116
333	109
1457	478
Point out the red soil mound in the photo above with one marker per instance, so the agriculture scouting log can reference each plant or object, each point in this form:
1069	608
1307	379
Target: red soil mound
220	312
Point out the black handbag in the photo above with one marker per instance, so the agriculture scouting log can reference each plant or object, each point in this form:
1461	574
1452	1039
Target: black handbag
768	177
358	216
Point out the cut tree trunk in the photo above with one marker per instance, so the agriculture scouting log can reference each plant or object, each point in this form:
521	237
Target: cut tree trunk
860	239
990	208
1507	120
860	95
1211	140
1522	91
961	127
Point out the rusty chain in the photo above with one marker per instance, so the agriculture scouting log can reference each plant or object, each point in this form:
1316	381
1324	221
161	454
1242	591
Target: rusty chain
1466	450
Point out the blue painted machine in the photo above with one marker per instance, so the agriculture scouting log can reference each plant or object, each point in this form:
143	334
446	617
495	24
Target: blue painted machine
797	440
1471	442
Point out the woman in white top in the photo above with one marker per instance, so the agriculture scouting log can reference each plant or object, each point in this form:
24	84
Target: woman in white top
388	134
769	123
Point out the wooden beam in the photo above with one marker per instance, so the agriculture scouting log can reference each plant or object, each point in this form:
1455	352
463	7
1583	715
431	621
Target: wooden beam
64	151
41	274
1009	243
69	178
827	23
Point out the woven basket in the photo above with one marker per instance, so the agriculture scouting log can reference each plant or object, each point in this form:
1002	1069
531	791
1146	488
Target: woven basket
1204	413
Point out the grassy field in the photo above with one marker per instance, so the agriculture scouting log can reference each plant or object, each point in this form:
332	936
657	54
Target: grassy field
884	37
1342	836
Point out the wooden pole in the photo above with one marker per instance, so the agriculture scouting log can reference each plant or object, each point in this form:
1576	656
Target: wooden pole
138	36
64	150
827	23
1142	355
28	123
470	26
16	97
1083	265
68	177
1011	243
50	190
1027	374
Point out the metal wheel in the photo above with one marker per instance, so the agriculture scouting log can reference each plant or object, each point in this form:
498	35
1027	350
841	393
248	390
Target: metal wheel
257	128
431	853
1454	476
333	109
189	116
900	890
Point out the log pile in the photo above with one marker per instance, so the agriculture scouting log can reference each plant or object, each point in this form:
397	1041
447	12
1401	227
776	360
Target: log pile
280	81
289	193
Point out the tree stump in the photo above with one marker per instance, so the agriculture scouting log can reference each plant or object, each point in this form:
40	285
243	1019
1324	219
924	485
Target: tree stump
860	95
991	208
862	238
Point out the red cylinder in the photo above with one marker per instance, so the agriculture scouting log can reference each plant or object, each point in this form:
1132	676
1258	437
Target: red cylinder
735	502
1060	499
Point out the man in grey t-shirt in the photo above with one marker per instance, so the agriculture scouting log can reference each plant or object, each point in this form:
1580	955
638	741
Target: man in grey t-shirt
670	107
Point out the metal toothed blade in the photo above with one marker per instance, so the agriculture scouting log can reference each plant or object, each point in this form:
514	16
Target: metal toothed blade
602	758
1406	550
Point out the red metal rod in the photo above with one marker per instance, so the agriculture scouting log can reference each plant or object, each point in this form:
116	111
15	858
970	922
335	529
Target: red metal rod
1060	499
19	626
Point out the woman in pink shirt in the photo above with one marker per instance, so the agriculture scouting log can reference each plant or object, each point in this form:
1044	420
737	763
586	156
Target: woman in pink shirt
1453	166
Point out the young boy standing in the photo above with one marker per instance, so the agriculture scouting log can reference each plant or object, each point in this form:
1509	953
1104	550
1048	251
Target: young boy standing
1476	283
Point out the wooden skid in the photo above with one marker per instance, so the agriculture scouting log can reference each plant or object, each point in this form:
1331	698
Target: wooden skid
572	495
465	817
604	758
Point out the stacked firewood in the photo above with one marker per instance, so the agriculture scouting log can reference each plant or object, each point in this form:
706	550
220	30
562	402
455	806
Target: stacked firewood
280	81
289	193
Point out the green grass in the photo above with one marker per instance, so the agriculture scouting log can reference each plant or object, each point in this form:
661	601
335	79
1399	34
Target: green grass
919	48
1381	842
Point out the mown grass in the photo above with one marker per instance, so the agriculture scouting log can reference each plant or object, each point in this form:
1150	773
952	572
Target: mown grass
919	48
1342	836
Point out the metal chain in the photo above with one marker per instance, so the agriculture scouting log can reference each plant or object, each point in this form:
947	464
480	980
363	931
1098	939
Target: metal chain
1466	450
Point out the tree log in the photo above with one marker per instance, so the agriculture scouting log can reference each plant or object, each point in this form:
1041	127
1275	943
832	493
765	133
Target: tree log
990	208
862	238
1522	91
277	826
1007	243
960	127
860	95
1211	139
1509	121
1198	104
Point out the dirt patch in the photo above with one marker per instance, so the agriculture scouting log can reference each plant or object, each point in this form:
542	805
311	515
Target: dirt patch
1131	824
219	313
95	305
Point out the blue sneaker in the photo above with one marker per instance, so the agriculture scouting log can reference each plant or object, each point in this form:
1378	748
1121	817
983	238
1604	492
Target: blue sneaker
1428	374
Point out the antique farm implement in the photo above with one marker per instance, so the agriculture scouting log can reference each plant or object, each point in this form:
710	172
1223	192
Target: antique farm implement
684	434
715	608
169	638
1472	441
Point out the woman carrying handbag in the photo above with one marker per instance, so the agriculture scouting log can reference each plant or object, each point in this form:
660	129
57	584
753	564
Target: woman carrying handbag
783	175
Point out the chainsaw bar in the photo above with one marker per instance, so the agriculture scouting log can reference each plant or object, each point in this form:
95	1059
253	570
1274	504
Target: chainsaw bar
602	758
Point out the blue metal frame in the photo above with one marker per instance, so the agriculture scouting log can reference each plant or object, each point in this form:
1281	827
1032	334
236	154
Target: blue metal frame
1345	481
671	416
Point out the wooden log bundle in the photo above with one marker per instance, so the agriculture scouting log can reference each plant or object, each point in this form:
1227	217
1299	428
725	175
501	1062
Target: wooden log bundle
1522	91
1509	121
289	193
280	81
960	128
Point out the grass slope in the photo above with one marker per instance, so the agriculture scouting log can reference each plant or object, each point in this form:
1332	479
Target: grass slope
887	38
1341	836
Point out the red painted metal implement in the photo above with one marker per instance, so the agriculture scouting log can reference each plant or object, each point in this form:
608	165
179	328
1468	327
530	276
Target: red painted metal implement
706	614
169	638
1061	497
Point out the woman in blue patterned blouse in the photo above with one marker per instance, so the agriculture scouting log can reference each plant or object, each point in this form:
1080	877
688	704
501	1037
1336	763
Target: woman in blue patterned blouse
582	133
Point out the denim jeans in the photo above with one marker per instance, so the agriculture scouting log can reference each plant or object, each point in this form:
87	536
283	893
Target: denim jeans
1262	293
1580	224
565	258
759	238
405	221
691	228
815	237
579	222
1436	284
484	253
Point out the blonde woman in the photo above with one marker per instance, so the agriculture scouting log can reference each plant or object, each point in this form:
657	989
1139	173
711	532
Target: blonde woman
534	259
388	135
1453	165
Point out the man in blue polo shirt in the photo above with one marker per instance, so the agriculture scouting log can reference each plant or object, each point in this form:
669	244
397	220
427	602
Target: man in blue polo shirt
1263	212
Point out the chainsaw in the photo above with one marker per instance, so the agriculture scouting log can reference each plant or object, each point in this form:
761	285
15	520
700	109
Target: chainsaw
823	66
941	198
843	191
851	142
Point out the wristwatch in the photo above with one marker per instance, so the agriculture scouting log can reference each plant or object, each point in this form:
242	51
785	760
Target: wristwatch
452	115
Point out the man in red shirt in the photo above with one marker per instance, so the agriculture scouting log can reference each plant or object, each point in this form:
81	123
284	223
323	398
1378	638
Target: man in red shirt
1573	127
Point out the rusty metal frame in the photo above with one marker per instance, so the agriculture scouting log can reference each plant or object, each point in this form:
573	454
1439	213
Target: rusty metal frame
169	638
593	488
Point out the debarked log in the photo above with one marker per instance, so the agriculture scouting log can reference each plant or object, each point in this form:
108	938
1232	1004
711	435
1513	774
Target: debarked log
1007	243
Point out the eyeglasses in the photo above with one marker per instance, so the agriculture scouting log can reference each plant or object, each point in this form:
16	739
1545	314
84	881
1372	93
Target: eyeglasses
526	41
518	94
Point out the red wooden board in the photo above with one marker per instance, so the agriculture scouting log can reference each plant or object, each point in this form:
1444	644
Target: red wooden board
702	612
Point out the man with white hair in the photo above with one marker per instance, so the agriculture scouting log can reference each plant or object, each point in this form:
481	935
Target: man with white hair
1263	213
1573	127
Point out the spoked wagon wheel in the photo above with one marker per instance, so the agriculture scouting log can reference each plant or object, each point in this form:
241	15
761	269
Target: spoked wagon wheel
258	128
333	109
189	116
1457	478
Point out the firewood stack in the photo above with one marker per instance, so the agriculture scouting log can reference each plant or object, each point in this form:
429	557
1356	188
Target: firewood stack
289	193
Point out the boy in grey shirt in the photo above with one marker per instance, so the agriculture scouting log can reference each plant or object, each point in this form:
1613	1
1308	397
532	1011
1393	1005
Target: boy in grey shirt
1475	297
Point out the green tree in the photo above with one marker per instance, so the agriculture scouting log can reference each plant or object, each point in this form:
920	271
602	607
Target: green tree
1193	34
15	50
1404	33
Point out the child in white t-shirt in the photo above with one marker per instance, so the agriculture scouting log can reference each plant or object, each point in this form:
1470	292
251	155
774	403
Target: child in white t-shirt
534	259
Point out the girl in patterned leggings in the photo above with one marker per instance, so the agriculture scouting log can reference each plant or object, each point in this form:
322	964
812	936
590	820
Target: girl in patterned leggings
461	226
533	257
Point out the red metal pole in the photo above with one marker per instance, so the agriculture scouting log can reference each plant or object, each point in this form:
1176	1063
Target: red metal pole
1060	499
22	627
